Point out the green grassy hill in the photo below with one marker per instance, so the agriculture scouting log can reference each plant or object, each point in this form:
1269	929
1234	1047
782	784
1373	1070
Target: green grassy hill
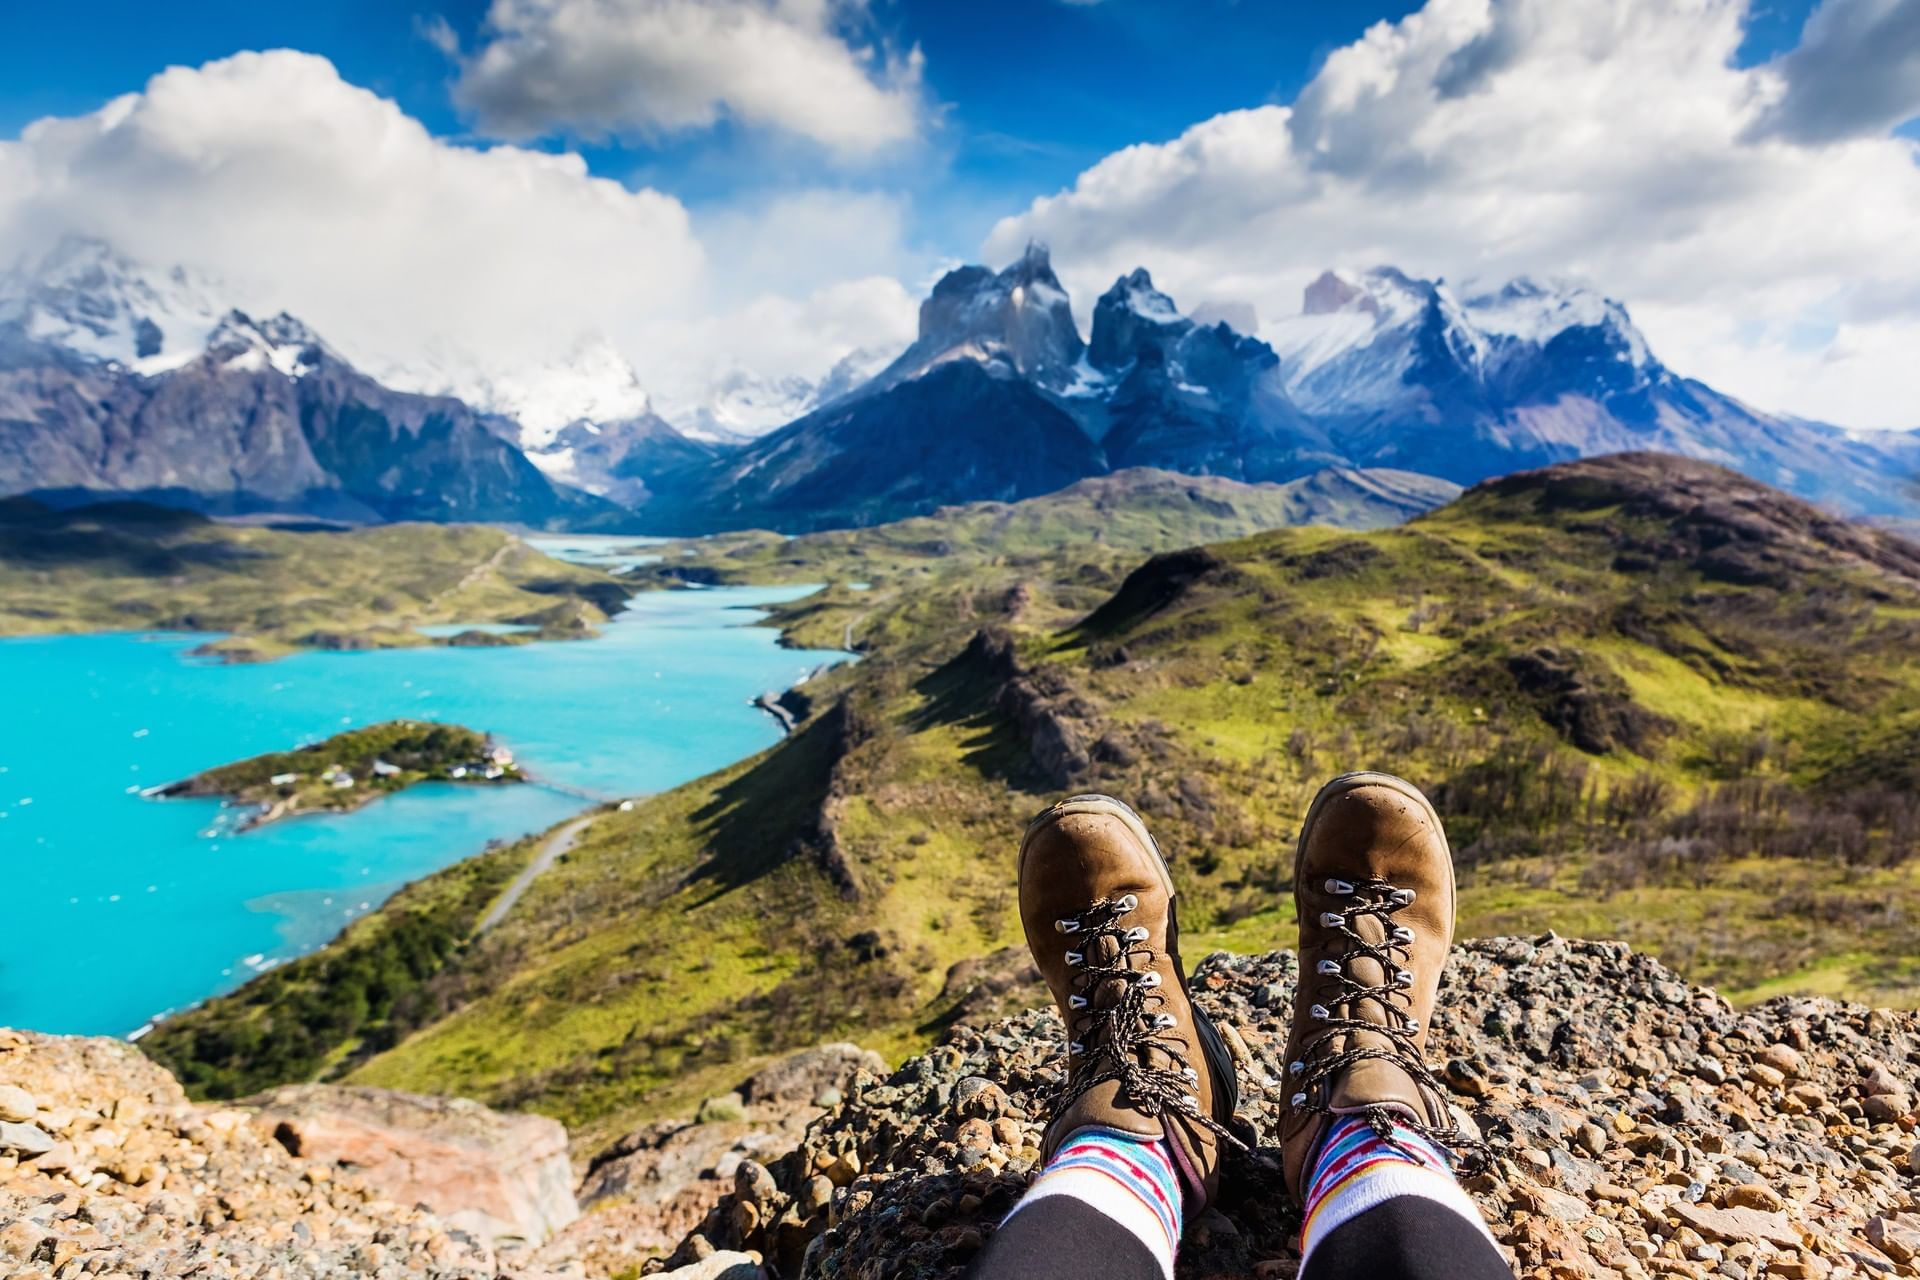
131	566
1653	699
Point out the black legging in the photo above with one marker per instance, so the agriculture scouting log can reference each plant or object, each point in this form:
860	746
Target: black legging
1406	1238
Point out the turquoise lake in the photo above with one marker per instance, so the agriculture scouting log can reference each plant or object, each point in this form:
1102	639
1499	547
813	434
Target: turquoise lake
124	907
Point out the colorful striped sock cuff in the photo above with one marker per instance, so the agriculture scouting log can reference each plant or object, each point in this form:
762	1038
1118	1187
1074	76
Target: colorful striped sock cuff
1357	1169
1125	1177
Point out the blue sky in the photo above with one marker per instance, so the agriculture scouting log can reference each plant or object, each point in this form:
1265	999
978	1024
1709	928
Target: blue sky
704	189
1030	92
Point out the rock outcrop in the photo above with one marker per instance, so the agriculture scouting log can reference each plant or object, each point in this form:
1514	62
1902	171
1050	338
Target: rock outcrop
107	1169
644	1193
498	1177
1641	1127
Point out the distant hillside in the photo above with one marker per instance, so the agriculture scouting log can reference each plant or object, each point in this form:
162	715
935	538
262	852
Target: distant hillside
1653	699
1139	510
132	566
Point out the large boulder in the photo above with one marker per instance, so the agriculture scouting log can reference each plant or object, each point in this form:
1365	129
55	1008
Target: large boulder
500	1176
816	1076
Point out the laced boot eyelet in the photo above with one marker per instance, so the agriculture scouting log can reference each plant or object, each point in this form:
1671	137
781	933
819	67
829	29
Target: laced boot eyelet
1130	902
1319	1012
1298	1100
1137	934
1332	920
1328	968
1338	888
1077	1002
1075	959
1066	926
1295	1068
1403	978
1148	979
1402	934
1403	897
1165	1022
1075	1048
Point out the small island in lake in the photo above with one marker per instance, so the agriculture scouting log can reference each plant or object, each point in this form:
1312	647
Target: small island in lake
351	769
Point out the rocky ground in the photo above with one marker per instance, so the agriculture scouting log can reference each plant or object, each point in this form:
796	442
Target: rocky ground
107	1169
642	1195
1641	1127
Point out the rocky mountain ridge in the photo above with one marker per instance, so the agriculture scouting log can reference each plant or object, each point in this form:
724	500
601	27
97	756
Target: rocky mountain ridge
1640	1127
1379	370
998	398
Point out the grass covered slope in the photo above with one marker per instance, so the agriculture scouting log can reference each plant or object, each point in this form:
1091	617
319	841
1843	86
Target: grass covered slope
359	994
127	566
1099	526
1653	700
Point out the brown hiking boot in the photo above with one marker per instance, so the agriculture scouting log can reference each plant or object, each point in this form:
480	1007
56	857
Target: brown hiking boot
1373	886
1098	906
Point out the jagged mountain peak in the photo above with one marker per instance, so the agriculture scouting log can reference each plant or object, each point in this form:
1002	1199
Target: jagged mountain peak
1018	319
1129	318
281	342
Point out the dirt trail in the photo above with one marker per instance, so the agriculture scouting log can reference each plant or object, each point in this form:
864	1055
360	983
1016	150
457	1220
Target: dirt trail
557	843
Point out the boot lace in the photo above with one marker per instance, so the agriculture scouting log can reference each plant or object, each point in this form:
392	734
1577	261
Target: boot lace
1115	1040
1338	988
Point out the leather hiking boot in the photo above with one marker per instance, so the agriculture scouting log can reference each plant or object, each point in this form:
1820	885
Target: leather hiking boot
1373	886
1098	906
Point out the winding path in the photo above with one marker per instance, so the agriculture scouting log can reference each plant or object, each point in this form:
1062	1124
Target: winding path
557	843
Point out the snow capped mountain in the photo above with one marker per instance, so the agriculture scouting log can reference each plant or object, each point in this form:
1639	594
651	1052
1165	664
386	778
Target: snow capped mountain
1366	341
1362	335
741	404
1533	312
85	297
998	395
119	377
594	384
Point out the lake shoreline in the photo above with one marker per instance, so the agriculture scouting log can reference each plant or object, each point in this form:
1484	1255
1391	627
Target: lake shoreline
660	698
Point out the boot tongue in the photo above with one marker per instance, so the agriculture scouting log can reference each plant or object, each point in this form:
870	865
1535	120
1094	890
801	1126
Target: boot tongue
1376	1082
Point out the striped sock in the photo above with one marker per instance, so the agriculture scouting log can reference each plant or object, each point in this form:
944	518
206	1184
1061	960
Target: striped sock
1357	1169
1128	1178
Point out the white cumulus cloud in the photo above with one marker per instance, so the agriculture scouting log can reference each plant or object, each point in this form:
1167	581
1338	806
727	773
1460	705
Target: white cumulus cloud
1614	140
411	255
600	68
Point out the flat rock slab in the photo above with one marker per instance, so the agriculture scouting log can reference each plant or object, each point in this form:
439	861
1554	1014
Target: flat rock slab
719	1266
504	1176
1736	1226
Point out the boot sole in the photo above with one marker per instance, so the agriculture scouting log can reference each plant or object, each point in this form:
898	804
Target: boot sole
1212	1045
1365	778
